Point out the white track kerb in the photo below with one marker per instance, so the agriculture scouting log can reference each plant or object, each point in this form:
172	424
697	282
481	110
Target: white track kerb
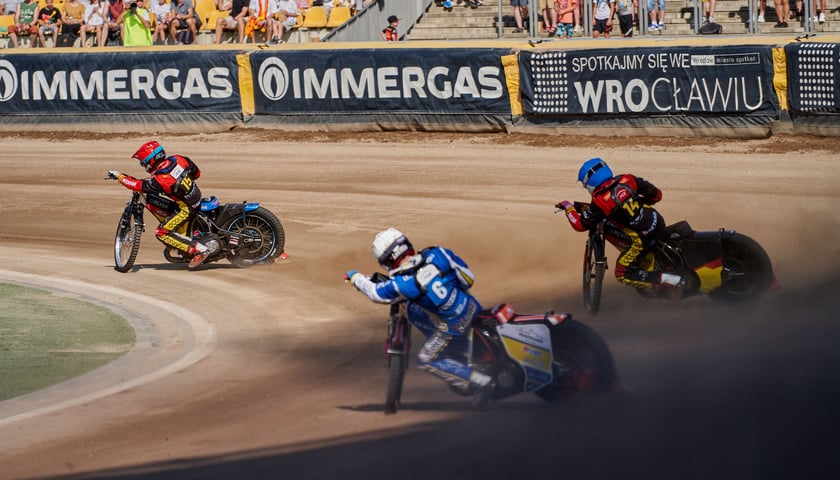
164	345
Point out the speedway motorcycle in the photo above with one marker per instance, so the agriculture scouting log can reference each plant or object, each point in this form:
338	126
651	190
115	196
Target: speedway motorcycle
723	264
247	233
550	355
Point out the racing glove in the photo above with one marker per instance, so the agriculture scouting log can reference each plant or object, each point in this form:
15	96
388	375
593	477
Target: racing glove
565	205
348	277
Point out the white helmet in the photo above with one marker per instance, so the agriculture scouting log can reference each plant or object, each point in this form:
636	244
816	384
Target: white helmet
390	247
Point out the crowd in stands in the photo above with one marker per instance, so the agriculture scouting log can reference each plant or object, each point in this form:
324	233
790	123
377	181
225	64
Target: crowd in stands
565	18
98	23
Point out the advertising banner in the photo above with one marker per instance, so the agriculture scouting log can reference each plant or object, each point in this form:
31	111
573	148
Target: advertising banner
85	83
369	81
813	77
629	82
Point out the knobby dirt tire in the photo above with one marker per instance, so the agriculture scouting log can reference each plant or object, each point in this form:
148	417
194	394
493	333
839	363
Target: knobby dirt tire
748	272
593	277
264	227
582	363
127	242
396	374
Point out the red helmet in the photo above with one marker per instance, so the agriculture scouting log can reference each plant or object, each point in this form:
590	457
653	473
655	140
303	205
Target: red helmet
149	154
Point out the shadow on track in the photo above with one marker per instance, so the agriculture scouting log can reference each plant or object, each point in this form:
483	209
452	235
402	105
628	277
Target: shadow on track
721	392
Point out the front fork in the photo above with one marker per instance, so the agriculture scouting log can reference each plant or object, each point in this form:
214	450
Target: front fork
134	211
399	336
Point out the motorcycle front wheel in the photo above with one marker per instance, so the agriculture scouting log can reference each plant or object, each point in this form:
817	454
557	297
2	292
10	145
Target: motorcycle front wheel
261	238
594	266
396	374
127	241
582	363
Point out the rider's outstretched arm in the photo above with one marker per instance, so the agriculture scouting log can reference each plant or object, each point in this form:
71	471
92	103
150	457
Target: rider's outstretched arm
383	292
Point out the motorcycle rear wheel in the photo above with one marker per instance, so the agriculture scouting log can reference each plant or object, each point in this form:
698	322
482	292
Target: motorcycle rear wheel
747	272
126	242
582	363
263	238
396	374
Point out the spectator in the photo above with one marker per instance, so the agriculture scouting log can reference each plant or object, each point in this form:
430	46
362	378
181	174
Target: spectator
626	10
549	15
49	23
565	17
602	18
137	25
782	12
517	14
10	6
234	21
284	17
184	20
115	11
72	17
709	11
579	17
303	6
389	33
657	15
762	5
820	12
160	12
257	18
95	14
26	22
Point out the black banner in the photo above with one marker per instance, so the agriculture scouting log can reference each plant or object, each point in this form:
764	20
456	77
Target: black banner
814	77
159	82
417	81
675	80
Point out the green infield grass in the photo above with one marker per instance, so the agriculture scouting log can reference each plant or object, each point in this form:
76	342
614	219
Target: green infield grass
46	338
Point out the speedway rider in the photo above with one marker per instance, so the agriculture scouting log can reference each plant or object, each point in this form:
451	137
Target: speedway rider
435	282
175	176
625	201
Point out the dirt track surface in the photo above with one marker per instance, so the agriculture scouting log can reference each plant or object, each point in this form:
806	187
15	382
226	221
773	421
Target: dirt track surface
290	381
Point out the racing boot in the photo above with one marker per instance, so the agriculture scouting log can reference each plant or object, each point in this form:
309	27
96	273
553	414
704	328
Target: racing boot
201	251
676	284
484	388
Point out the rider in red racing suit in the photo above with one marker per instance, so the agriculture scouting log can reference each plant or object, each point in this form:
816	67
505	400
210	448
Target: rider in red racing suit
173	176
626	202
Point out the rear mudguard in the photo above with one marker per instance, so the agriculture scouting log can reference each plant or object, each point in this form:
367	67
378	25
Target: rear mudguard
703	253
527	342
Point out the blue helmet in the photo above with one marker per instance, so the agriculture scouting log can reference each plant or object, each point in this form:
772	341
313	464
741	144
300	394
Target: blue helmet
594	172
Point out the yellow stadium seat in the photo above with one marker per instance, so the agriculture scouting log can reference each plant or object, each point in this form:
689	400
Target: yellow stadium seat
210	24
316	17
338	15
203	8
6	21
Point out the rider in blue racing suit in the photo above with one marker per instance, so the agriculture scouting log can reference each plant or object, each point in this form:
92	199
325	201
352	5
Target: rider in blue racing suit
435	282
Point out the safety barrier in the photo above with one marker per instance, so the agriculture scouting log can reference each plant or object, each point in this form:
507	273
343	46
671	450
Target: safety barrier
743	90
